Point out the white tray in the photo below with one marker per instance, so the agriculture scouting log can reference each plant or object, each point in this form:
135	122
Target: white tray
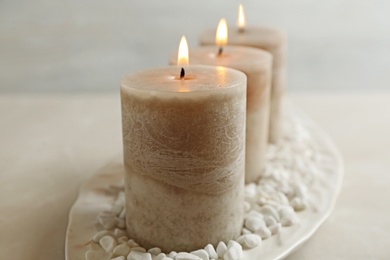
94	198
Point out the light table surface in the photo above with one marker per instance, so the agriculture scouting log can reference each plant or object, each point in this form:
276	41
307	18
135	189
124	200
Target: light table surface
50	144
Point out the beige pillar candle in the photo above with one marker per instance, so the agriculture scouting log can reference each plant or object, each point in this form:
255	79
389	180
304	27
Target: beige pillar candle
269	39
184	145
256	64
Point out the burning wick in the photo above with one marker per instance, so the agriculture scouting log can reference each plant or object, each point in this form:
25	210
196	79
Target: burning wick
220	50
221	35
241	21
182	73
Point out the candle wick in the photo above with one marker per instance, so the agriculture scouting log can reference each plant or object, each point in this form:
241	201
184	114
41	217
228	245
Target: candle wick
241	29
182	73
220	50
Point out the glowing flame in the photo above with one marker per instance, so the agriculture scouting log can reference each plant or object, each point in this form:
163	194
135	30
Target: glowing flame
182	57
241	21
222	33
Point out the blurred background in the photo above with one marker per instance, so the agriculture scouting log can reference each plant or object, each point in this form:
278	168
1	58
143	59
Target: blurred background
87	46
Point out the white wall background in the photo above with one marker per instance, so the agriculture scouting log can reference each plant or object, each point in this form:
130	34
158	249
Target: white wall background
88	45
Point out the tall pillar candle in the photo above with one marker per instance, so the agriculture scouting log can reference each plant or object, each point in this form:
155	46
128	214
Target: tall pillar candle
184	145
274	41
256	64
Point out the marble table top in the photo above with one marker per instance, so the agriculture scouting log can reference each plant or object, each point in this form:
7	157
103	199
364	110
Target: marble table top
50	144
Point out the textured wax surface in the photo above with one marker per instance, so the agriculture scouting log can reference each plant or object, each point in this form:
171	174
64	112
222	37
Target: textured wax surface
256	64
184	161
272	40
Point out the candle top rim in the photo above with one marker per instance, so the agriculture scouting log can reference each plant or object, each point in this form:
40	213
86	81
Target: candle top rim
199	78
233	56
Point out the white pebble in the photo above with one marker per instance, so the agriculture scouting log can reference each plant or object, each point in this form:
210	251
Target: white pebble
160	256
121	223
122	240
245	231
201	253
264	232
96	238
231	254
108	221
172	254
211	251
167	258
123	214
275	228
132	243
108	243
250	190
254	224
120	233
135	255
249	241
269	210
117	208
221	249
298	204
119	258
154	251
247	206
288	216
97	255
122	249
138	249
269	221
186	256
255	214
236	246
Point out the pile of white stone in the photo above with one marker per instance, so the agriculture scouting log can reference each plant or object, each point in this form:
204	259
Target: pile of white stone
271	204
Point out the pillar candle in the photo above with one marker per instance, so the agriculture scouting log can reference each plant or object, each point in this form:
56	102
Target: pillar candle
256	64
269	39
184	146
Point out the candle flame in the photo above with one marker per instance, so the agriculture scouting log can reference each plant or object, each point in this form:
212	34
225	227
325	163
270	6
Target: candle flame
222	33
241	21
182	58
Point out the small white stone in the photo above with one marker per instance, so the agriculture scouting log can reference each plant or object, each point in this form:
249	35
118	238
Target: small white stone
122	240
132	243
254	224
275	228
245	231
120	233
97	255
298	204
120	223
231	254
269	221
167	258
122	215
155	250
186	256
236	246
135	255
288	216
117	208
119	258
249	241
211	251
221	249
172	254
138	249
122	249
160	256
201	253
250	190
108	221
264	232
269	210
108	243
96	238
255	214
247	206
